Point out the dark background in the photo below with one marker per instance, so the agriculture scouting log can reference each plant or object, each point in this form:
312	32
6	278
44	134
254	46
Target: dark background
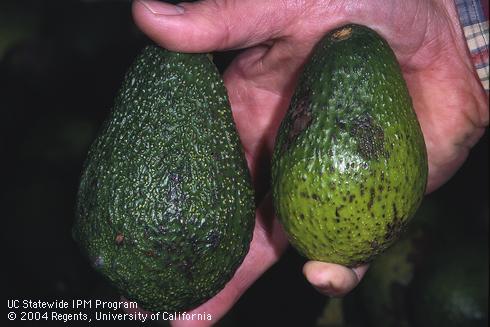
61	63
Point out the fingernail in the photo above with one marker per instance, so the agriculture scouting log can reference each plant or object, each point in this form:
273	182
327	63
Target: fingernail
326	288
162	8
330	285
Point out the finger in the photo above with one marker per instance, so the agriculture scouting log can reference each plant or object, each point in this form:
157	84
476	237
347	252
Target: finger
260	82
258	99
332	279
207	25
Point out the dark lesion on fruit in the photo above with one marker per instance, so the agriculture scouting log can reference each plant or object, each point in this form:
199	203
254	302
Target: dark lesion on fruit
161	248
369	137
213	240
216	155
371	198
119	239
395	227
337	210
197	246
300	116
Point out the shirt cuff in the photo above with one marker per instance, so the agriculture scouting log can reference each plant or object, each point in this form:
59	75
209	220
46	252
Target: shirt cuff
475	28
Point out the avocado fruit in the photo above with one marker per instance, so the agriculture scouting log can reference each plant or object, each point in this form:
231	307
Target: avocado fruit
349	167
165	207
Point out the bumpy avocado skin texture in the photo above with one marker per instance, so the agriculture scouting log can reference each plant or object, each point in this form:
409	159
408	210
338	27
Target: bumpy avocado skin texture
165	206
350	166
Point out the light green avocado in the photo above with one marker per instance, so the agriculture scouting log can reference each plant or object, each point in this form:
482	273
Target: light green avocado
349	168
165	207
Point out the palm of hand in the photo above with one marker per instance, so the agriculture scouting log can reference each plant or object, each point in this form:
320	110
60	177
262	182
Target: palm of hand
447	96
433	58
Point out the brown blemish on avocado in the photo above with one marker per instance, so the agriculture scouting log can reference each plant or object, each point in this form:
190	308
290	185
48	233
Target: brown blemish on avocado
394	228
342	34
337	209
300	117
119	239
369	137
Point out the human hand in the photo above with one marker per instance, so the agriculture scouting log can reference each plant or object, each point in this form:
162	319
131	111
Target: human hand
278	37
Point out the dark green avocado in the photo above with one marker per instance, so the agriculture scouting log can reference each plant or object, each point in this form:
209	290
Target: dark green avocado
165	206
349	167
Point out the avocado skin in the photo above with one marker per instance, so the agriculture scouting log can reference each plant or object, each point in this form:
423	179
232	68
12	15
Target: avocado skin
349	167
165	208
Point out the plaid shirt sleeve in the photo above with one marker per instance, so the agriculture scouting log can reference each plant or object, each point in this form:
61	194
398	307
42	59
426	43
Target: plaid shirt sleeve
473	15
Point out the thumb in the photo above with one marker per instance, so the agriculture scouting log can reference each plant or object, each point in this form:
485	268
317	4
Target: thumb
210	25
332	279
